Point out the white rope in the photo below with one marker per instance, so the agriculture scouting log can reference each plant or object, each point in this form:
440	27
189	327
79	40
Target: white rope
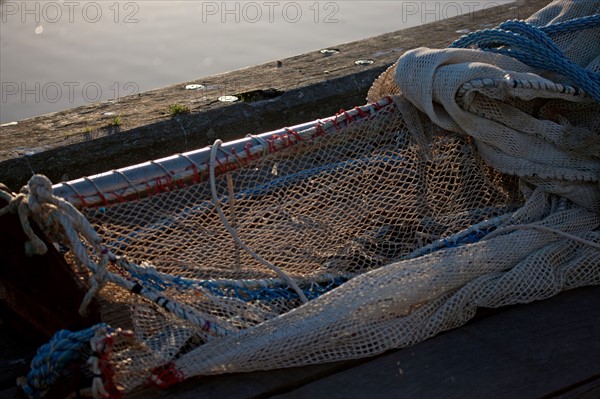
215	199
73	224
19	204
238	261
36	199
262	142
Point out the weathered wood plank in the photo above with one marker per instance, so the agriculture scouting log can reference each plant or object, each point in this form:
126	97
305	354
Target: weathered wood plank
10	393
81	141
522	352
258	384
16	356
590	389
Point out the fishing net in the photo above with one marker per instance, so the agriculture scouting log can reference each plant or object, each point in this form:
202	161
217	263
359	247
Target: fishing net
470	180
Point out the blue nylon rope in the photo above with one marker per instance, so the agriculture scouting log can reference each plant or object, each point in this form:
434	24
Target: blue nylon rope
52	358
533	46
275	292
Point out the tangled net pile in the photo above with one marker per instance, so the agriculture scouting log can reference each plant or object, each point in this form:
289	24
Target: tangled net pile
472	180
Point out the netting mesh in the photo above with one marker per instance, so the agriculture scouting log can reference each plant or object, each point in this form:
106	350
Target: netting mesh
476	186
358	200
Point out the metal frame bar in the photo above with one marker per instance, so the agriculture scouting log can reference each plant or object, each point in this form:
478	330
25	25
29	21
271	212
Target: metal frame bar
178	170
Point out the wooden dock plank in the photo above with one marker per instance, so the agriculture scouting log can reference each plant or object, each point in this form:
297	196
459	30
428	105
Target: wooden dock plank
10	393
313	85
527	351
590	389
259	384
15	359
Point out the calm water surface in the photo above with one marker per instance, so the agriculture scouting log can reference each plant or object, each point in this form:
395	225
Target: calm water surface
56	55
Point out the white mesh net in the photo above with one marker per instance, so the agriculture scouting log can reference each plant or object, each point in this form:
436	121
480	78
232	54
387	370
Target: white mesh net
474	185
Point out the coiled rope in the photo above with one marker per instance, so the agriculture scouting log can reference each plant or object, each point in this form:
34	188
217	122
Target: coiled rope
533	46
52	359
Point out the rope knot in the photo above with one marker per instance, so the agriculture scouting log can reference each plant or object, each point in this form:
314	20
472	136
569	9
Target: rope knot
30	203
40	189
60	221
